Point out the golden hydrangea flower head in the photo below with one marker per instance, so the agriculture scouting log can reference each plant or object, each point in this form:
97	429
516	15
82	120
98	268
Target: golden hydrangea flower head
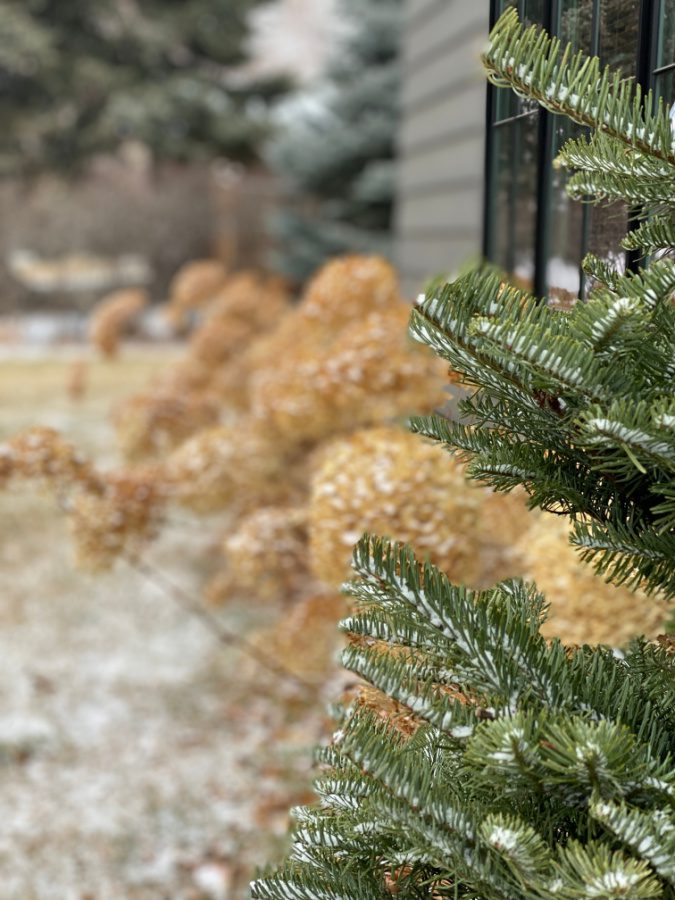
305	640
584	608
218	358
117	519
503	521
193	286
42	454
267	552
371	373
347	288
389	482
228	466
250	297
151	423
341	293
112	316
216	340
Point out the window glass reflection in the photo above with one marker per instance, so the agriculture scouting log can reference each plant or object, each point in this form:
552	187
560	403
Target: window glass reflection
619	31
618	43
664	82
610	29
515	196
666	40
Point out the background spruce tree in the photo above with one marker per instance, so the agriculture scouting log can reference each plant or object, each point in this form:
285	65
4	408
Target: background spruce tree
484	761
78	78
337	153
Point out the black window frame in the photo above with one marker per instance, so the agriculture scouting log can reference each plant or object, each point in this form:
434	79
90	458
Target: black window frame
646	72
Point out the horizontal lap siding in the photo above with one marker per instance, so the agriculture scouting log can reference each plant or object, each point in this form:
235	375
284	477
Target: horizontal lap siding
441	139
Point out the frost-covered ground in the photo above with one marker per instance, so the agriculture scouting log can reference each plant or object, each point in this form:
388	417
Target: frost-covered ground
134	761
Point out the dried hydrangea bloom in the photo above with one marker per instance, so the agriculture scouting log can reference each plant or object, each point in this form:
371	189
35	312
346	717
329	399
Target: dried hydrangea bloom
390	712
193	286
227	467
112	316
369	374
250	297
117	519
151	423
228	384
218	361
286	338
6	464
339	296
347	288
305	640
502	522
267	552
584	609
387	481
42	454
215	341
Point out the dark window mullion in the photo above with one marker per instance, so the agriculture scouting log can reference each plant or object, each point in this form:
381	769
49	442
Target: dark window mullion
489	187
542	237
653	21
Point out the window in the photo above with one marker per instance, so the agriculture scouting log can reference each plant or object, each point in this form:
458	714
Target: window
532	229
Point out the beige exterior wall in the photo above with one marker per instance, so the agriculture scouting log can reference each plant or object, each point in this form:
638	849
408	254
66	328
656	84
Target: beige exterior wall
442	137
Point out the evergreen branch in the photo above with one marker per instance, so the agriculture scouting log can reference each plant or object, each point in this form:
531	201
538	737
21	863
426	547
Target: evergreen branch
654	286
650	834
630	428
566	758
651	236
626	555
601	271
301	883
442	322
551	363
520	846
606	186
573	84
408	685
593	870
604	168
557	480
601	154
493	636
605	318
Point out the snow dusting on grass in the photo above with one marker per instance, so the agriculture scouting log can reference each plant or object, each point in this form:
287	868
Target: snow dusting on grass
134	760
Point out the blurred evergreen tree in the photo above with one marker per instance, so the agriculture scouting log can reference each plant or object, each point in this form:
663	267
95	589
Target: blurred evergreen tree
337	153
78	78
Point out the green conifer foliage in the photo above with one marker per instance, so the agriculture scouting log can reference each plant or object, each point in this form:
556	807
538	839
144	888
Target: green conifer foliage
79	77
337	155
578	407
526	769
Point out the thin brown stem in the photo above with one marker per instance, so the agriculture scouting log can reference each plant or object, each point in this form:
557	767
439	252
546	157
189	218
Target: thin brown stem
186	602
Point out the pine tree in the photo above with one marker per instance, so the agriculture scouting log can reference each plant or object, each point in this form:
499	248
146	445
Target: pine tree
78	78
337	153
492	763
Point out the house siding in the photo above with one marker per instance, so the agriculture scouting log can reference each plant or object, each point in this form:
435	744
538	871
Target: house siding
441	139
